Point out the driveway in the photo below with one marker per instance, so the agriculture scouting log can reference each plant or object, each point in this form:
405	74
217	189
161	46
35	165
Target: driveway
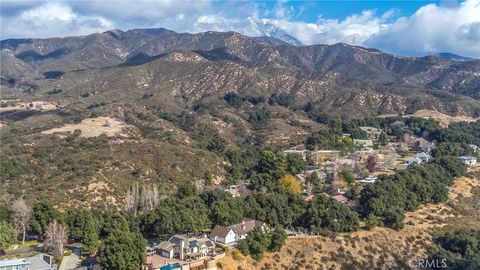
70	262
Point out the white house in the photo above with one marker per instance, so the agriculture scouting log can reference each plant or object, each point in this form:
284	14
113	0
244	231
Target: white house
297	150
184	247
413	160
368	180
363	143
223	235
424	157
468	160
232	234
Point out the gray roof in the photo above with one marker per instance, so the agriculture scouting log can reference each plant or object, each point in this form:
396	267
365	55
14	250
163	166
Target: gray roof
467	158
40	262
177	239
193	243
209	243
165	245
246	225
190	242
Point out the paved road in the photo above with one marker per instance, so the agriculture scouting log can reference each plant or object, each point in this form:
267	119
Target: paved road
70	262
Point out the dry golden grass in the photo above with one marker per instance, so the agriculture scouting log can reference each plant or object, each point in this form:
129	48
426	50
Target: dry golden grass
93	127
442	118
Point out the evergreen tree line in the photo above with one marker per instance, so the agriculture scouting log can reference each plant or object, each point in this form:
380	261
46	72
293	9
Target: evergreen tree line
457	250
113	236
390	196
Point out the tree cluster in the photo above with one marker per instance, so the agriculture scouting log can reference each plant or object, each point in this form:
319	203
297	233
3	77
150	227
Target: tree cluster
389	197
258	242
458	250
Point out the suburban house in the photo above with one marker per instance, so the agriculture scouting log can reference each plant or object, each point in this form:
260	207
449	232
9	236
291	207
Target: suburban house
429	147
340	198
299	150
468	160
368	180
37	262
324	155
184	247
315	169
424	157
413	160
232	234
373	133
363	143
234	190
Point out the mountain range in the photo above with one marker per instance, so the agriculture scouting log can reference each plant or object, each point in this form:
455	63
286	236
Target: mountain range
182	100
350	80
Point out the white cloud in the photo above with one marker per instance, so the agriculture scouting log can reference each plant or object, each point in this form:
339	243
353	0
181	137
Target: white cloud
52	19
142	9
431	29
434	29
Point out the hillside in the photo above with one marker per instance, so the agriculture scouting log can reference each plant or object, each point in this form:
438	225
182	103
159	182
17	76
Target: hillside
379	248
174	105
213	63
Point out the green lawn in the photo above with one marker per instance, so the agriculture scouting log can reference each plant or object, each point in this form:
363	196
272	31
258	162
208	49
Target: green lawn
26	245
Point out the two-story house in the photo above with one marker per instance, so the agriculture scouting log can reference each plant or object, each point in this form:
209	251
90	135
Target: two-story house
230	235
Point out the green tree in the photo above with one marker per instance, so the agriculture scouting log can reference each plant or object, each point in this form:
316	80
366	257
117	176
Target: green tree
243	247
295	163
208	176
186	215
372	221
83	228
122	249
383	139
273	164
224	209
460	249
5	213
278	237
258	243
42	214
186	189
260	180
317	183
233	99
336	125
326	213
8	235
348	177
393	218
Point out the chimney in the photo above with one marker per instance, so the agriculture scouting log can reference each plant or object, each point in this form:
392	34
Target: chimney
182	246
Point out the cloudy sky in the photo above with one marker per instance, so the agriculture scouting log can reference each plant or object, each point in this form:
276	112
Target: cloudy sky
399	27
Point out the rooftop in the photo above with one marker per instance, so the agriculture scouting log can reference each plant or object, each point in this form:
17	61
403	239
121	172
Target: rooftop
16	262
